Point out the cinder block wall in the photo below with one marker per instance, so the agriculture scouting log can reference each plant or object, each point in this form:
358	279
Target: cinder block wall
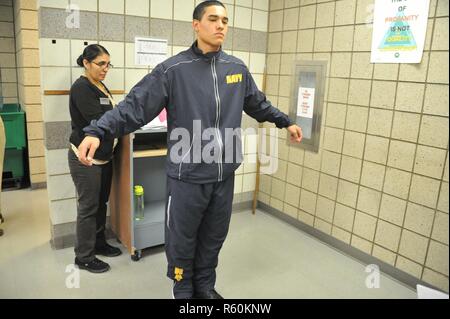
29	85
8	80
380	179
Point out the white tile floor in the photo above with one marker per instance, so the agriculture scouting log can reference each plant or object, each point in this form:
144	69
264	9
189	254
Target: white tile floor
262	257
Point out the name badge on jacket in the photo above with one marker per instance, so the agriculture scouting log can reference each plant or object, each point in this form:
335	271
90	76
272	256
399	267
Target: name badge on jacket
104	101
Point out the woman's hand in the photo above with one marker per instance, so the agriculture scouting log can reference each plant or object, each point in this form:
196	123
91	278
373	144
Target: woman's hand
89	143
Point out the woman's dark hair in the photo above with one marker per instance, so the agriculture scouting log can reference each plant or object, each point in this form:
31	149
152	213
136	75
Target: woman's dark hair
199	10
90	53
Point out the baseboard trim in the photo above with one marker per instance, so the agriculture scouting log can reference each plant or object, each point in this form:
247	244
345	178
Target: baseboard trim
348	250
41	185
63	235
237	207
66	237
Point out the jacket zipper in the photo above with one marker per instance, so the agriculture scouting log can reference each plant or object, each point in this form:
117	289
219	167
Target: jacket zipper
219	135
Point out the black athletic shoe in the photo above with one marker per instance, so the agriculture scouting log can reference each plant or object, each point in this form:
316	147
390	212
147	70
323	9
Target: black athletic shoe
108	251
212	294
96	266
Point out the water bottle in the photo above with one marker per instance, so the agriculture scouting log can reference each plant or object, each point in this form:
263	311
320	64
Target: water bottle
138	202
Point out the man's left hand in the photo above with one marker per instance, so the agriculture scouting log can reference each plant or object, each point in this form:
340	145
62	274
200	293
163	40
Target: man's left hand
296	133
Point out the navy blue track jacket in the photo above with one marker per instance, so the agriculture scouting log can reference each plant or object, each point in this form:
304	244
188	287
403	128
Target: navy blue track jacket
209	89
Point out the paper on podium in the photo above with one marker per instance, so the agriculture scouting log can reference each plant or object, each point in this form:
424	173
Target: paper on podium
159	122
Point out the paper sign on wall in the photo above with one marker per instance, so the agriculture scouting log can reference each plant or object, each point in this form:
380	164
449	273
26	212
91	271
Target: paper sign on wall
305	104
399	29
150	51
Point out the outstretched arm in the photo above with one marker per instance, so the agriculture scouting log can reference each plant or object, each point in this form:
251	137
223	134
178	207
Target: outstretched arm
144	102
257	106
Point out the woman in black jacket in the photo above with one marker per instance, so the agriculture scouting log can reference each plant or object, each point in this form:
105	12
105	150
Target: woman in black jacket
89	100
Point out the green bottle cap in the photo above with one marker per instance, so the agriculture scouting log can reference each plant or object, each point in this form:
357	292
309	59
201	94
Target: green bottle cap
138	190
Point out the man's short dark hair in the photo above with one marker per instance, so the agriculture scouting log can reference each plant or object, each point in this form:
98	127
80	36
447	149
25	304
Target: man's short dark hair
199	10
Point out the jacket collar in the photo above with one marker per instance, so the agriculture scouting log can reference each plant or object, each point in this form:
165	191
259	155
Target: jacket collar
208	55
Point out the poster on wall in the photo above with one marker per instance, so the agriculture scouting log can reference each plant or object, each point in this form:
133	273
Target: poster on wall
150	51
399	29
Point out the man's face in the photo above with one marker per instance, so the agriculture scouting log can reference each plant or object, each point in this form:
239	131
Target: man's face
213	26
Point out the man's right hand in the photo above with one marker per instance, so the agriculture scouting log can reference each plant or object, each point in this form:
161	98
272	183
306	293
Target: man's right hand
89	143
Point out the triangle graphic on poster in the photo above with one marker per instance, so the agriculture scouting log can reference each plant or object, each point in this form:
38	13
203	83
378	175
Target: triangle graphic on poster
399	36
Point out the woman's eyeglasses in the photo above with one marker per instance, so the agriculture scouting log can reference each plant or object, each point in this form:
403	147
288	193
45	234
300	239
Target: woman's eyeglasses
104	65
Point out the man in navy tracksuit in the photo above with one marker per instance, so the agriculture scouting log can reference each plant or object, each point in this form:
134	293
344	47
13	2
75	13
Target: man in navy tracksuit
202	87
